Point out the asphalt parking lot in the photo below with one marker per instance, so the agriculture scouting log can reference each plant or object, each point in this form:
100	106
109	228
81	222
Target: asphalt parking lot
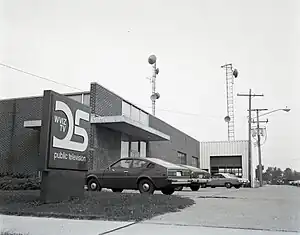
270	208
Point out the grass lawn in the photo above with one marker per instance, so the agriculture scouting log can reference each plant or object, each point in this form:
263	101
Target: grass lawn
96	205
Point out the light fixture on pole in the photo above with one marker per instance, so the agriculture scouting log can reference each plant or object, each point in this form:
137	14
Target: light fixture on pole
155	95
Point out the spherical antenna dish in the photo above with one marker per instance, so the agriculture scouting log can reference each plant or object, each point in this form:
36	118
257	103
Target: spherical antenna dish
227	119
152	59
235	73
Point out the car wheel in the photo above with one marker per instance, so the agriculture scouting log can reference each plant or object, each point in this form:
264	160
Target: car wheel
237	186
93	185
203	185
168	191
195	187
179	188
228	185
117	190
145	186
212	186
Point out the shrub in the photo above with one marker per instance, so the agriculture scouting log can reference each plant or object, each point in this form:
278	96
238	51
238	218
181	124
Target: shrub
18	183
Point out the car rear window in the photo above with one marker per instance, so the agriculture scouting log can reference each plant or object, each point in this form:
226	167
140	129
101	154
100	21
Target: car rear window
163	163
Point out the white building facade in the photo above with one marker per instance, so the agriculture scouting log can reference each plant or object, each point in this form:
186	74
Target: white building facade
225	157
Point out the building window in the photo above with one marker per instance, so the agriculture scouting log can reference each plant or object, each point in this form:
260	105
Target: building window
86	99
134	149
77	98
143	149
126	109
124	149
134	113
195	162
144	118
182	158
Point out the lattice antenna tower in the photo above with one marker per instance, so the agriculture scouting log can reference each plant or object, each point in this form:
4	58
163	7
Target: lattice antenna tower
231	74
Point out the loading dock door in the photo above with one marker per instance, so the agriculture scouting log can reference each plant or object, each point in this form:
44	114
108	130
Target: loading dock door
226	164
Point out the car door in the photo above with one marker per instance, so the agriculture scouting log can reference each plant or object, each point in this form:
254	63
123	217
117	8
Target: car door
138	167
116	176
216	180
222	180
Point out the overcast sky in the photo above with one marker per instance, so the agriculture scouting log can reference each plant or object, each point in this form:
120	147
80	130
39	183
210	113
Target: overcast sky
78	42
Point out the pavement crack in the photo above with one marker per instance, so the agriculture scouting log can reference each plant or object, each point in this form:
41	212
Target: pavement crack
225	227
118	228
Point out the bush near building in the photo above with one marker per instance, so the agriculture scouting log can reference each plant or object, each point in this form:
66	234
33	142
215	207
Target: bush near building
19	182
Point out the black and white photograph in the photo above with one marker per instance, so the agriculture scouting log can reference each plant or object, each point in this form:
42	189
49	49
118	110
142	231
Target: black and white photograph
156	117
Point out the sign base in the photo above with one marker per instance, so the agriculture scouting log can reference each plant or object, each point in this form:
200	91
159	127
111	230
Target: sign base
62	185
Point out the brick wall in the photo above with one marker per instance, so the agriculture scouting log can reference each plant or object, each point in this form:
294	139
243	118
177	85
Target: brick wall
18	145
105	143
179	142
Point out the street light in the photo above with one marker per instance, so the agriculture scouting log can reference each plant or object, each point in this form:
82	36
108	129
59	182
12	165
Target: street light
258	136
286	109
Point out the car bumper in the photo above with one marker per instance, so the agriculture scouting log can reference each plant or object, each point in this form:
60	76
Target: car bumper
179	182
199	181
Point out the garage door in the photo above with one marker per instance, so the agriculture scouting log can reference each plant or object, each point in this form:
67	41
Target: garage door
226	164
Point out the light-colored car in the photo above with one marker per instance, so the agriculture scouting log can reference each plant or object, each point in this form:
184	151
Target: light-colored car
246	182
225	180
295	182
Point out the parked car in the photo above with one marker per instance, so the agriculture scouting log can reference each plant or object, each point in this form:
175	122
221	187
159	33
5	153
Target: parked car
199	178
225	180
295	183
246	182
143	174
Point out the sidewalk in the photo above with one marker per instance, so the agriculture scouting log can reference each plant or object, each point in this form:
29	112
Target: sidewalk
53	226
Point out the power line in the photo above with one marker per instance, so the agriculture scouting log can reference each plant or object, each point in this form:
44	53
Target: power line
72	87
37	76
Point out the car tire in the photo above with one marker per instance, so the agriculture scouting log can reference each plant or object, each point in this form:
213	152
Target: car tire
93	185
203	185
237	186
228	185
195	187
212	186
168	191
117	190
145	186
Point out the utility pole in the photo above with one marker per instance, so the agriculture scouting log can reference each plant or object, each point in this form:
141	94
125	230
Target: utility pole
258	143
250	95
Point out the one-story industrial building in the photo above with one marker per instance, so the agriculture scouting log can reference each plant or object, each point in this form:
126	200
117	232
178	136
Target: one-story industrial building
118	129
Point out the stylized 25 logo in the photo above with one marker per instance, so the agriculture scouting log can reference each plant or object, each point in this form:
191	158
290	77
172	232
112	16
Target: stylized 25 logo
66	142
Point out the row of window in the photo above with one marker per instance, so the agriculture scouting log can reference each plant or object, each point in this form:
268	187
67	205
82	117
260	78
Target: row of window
183	159
133	149
134	113
231	170
81	98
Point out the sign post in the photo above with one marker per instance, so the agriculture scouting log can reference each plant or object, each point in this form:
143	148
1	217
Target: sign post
64	145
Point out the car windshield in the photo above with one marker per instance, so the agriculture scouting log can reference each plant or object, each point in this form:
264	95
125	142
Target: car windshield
164	163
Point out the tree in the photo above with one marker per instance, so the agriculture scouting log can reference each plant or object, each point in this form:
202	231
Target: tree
288	175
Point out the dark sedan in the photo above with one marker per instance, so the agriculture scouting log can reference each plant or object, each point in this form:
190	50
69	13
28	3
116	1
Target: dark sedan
143	174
